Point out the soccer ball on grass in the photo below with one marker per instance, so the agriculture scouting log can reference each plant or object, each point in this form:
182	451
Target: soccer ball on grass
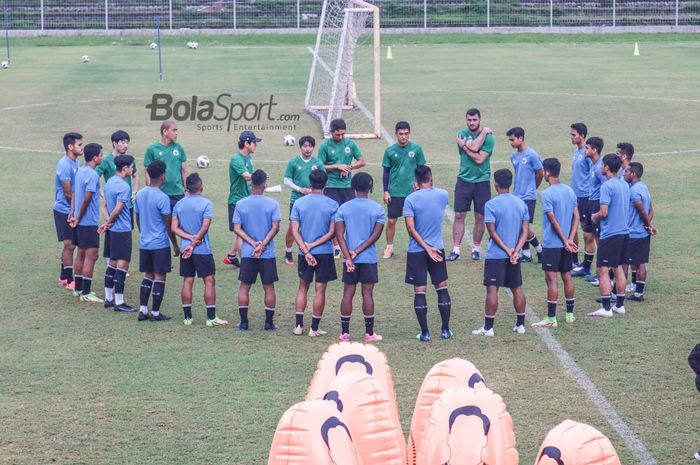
203	161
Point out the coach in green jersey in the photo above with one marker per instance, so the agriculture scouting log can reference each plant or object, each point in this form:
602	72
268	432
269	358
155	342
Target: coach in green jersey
296	177
400	162
240	170
173	155
475	146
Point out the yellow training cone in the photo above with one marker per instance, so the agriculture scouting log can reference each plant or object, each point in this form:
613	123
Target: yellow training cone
636	49
389	56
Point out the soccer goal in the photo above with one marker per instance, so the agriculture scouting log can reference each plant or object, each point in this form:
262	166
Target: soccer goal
344	81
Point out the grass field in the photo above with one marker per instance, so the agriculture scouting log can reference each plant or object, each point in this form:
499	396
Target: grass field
83	385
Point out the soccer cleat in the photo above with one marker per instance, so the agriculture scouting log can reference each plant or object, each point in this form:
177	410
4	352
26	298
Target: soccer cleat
618	310
232	260
337	254
345	337
526	258
62	282
483	332
216	322
601	312
373	337
159	317
697	455
452	257
631	287
91	297
520	329
142	316
388	252
109	303
546	323
270	326
570	318
581	272
424	337
446	333
124	308
476	255
575	265
71	286
636	297
288	259
318	333
242	326
590	277
187	321
594	281
298	330
76	293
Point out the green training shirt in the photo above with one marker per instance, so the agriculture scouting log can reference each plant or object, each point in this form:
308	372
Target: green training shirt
240	188
173	156
330	153
402	163
298	170
107	169
470	171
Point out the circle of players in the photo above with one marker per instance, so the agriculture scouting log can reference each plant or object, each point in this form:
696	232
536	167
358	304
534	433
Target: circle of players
332	218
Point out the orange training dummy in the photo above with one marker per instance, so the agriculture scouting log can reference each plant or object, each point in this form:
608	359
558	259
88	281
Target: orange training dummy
573	443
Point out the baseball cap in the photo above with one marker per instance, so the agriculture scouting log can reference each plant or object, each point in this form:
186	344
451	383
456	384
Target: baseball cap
249	136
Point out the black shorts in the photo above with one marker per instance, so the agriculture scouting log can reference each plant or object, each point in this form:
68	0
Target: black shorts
87	237
324	271
419	265
119	245
612	251
638	250
468	192
202	265
589	226
584	209
365	273
155	261
500	272
175	199
340	194
231	209
63	230
252	267
557	259
531	209
106	250
395	208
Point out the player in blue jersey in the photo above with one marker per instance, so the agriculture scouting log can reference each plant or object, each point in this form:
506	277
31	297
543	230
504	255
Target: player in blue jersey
528	177
640	216
312	227
191	221
256	221
424	211
581	184
560	220
64	180
85	219
506	219
153	215
614	236
117	196
358	224
625	152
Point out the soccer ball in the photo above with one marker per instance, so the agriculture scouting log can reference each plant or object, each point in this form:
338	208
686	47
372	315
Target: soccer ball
203	161
153	45
195	45
289	140
85	58
189	44
5	64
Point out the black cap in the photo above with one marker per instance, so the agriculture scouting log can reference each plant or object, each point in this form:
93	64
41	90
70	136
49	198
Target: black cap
248	136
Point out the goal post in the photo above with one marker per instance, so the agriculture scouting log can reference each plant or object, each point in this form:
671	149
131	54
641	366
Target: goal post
345	79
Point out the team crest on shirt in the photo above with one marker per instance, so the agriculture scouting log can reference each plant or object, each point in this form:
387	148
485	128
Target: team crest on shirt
523	161
176	153
396	155
313	167
160	154
411	154
347	149
580	156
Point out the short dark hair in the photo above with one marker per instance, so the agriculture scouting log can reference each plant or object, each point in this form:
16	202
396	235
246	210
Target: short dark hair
596	143
473	112
120	161
552	165
318	179
516	132
581	128
193	183
167	124
362	182
120	135
70	138
613	162
402	125
636	168
422	174
503	177
338	124
156	169
308	139
258	178
627	149
91	151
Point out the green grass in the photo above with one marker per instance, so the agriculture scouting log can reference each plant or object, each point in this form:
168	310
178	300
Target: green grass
84	385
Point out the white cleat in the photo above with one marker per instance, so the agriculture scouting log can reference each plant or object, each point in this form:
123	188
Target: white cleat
619	310
520	329
483	332
601	312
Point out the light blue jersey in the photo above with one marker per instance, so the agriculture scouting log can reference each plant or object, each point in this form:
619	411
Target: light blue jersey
118	190
87	180
315	214
525	165
597	179
559	199
581	173
615	193
66	168
255	214
191	213
427	207
638	193
507	212
360	215
151	205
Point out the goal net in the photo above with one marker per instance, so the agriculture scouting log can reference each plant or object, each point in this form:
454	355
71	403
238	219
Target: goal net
344	78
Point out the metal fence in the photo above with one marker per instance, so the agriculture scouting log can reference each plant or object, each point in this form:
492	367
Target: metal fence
303	14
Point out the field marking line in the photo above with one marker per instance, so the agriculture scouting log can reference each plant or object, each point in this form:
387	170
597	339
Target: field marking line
631	440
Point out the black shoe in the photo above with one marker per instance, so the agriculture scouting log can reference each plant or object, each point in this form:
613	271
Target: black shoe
160	317
109	303
124	308
526	259
242	326
143	316
636	298
452	257
270	326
